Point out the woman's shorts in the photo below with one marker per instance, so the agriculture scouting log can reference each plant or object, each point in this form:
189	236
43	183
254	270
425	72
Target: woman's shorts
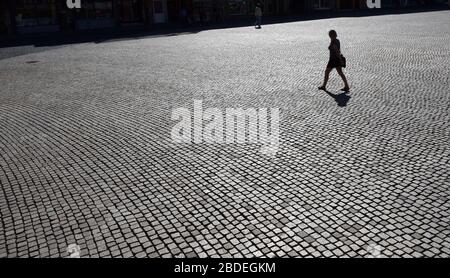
334	63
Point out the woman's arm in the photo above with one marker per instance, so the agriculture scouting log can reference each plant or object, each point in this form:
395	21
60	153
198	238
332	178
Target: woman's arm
334	46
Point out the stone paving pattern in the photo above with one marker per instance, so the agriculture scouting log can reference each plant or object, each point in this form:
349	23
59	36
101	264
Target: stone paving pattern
86	156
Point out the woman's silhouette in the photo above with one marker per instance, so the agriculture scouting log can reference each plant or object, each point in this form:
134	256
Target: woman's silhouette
334	62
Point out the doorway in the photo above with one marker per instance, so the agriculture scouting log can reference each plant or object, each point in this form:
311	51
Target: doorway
131	11
159	11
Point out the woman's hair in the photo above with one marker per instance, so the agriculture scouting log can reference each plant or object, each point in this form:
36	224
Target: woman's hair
332	33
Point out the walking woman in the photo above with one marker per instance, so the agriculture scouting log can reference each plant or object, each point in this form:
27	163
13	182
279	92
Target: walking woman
336	61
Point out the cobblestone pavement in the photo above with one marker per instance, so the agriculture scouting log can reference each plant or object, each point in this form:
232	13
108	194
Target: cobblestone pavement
87	159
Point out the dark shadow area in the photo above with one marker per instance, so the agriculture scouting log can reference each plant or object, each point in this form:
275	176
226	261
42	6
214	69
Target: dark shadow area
341	99
141	32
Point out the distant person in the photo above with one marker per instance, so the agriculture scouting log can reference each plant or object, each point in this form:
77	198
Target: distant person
336	61
258	15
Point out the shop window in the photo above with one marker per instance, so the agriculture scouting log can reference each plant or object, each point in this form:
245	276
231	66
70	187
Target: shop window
202	10
346	4
270	6
95	9
322	4
158	7
238	7
131	10
35	13
4	19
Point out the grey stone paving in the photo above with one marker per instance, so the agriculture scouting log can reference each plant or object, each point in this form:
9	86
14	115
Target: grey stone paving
86	156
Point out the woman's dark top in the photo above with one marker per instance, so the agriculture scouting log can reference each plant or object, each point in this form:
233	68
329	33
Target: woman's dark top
335	54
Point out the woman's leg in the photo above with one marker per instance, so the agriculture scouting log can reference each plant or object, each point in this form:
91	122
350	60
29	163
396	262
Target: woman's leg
342	75
327	76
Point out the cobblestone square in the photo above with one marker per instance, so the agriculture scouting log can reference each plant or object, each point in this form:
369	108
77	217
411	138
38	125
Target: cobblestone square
88	166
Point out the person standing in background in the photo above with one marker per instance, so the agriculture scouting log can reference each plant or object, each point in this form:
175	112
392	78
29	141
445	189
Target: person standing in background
258	15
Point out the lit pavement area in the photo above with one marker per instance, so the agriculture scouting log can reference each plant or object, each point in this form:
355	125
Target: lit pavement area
87	159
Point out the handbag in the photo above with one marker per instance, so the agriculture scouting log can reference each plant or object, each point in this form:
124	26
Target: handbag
343	61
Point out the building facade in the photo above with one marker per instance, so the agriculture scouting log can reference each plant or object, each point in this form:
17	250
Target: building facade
29	16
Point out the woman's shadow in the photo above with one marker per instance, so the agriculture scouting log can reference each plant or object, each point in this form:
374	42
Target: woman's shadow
341	99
